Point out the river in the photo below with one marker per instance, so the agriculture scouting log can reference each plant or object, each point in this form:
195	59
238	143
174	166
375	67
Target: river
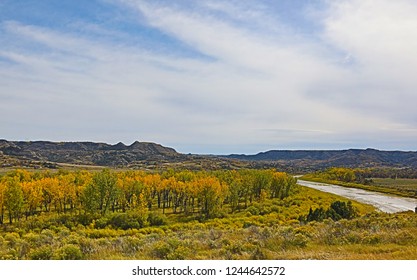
385	203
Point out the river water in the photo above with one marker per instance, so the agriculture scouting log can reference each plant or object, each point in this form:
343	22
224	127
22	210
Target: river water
385	203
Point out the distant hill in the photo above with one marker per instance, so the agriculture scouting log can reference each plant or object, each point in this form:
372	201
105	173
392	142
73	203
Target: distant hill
88	153
326	158
146	155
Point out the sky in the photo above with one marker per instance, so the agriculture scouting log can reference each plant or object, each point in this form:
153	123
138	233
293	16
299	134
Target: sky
211	76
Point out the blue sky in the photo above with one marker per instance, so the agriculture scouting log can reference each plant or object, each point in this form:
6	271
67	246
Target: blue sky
211	76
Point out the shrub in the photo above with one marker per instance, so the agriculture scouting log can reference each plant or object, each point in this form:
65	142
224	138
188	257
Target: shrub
157	219
338	210
130	245
69	252
299	240
161	250
47	236
259	254
86	219
12	238
66	220
341	210
372	239
34	239
123	221
87	246
41	253
180	253
253	210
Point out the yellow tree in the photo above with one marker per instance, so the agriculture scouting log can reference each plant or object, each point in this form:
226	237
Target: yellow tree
32	193
278	184
129	188
166	186
190	194
13	198
2	190
20	174
211	195
53	194
151	183
69	189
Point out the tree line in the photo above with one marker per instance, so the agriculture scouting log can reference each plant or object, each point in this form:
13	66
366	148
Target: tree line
24	194
364	175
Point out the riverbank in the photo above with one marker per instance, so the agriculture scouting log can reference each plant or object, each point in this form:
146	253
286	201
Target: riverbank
372	188
383	202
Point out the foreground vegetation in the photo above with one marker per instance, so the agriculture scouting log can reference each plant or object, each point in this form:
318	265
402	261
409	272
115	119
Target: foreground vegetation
245	214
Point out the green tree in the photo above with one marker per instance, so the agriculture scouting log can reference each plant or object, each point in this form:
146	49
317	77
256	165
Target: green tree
318	214
262	182
102	193
341	210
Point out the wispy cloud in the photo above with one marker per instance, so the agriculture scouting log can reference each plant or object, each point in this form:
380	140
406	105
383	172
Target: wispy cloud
216	76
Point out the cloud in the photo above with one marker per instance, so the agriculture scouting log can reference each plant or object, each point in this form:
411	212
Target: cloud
216	76
380	41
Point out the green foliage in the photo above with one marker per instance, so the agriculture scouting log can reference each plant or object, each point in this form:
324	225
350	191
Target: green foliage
337	210
157	219
102	193
341	210
128	220
253	210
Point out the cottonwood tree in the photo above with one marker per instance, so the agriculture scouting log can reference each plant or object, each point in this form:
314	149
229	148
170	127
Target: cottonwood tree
101	194
13	198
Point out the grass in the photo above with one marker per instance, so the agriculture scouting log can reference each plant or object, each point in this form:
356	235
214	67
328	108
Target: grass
373	236
408	186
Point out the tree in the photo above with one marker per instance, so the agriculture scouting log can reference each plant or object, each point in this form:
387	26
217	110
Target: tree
210	194
341	210
318	214
340	174
236	192
101	194
2	190
90	199
32	193
279	185
262	182
67	185
13	198
338	210
48	191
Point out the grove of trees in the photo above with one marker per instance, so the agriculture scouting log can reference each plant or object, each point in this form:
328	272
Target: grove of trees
24	194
